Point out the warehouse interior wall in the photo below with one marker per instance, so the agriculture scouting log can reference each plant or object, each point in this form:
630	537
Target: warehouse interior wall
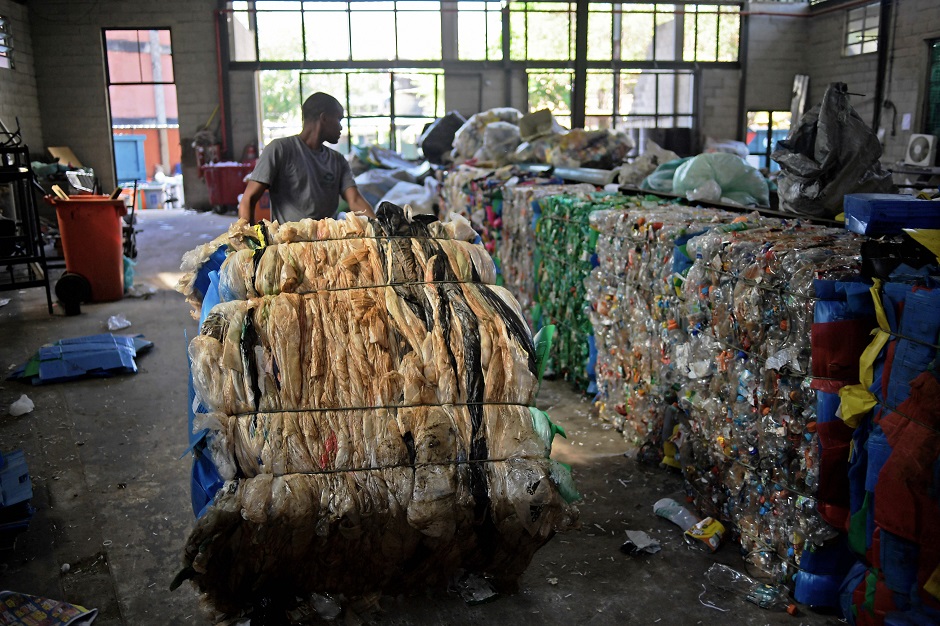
70	75
19	97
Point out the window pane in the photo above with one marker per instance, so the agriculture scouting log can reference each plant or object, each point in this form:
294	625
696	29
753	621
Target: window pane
730	24
333	84
517	28
666	33
151	106
327	35
869	46
241	37
549	36
598	122
636	40
600	93
407	132
707	36
369	94
871	34
280	34
124	59
368	131
414	95
855	25
552	91
471	34
857	14
280	103
419	35
600	32
853	49
494	34
373	34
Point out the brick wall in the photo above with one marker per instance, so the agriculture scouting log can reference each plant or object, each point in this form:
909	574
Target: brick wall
70	73
18	95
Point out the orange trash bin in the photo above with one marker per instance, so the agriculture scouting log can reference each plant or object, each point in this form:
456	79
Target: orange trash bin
92	232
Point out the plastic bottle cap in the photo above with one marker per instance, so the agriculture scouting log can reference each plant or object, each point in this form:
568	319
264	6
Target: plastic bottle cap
792	610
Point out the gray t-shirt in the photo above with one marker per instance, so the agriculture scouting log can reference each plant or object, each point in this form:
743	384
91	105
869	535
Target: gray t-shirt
302	182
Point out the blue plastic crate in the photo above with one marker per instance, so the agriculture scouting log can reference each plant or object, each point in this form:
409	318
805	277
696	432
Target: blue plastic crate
15	484
878	214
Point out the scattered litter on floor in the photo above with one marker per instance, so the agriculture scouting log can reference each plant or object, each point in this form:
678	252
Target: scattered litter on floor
774	598
709	604
638	542
140	291
22	406
675	513
473	588
17	608
4	301
93	355
118	322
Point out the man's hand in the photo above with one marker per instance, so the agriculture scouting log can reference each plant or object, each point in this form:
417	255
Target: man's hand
357	204
253	193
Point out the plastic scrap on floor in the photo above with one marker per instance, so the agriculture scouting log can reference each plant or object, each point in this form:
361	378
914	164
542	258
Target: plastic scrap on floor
16	608
118	322
774	598
473	588
638	542
4	301
22	406
140	291
93	355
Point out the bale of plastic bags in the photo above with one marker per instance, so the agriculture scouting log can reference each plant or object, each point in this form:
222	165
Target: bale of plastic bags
500	140
469	138
721	176
368	396
831	153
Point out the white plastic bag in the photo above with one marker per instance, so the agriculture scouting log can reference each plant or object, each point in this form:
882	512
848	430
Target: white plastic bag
22	406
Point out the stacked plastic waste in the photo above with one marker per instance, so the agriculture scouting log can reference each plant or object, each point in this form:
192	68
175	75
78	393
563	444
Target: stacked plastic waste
753	455
365	395
564	257
636	309
515	251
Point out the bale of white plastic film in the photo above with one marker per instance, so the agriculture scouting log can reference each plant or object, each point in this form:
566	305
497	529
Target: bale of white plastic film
368	391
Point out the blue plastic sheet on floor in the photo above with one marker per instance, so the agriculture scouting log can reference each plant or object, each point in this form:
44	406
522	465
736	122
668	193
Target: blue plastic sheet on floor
93	355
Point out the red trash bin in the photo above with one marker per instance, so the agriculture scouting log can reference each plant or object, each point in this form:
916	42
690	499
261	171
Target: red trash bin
226	182
92	234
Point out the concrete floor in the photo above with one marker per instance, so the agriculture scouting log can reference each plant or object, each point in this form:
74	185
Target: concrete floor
112	495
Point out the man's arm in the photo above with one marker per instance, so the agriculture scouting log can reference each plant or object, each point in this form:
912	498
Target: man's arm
357	204
253	193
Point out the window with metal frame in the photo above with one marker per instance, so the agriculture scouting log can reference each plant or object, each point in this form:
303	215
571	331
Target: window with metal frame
473	20
142	101
6	43
764	130
634	32
861	29
385	108
295	30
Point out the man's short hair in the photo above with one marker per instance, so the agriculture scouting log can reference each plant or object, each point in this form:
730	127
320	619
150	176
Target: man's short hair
320	103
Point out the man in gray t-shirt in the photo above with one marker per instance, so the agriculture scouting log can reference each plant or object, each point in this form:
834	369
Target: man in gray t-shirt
305	177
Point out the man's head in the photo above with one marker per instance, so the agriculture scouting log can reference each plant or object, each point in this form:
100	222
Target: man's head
325	111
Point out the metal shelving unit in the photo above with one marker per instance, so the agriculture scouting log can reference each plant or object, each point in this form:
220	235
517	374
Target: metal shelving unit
22	256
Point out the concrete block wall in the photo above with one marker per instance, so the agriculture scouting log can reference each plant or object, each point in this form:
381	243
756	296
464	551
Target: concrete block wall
70	74
916	23
824	49
776	52
718	103
18	94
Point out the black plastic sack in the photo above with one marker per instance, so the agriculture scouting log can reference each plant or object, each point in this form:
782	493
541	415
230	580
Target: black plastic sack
438	138
832	152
